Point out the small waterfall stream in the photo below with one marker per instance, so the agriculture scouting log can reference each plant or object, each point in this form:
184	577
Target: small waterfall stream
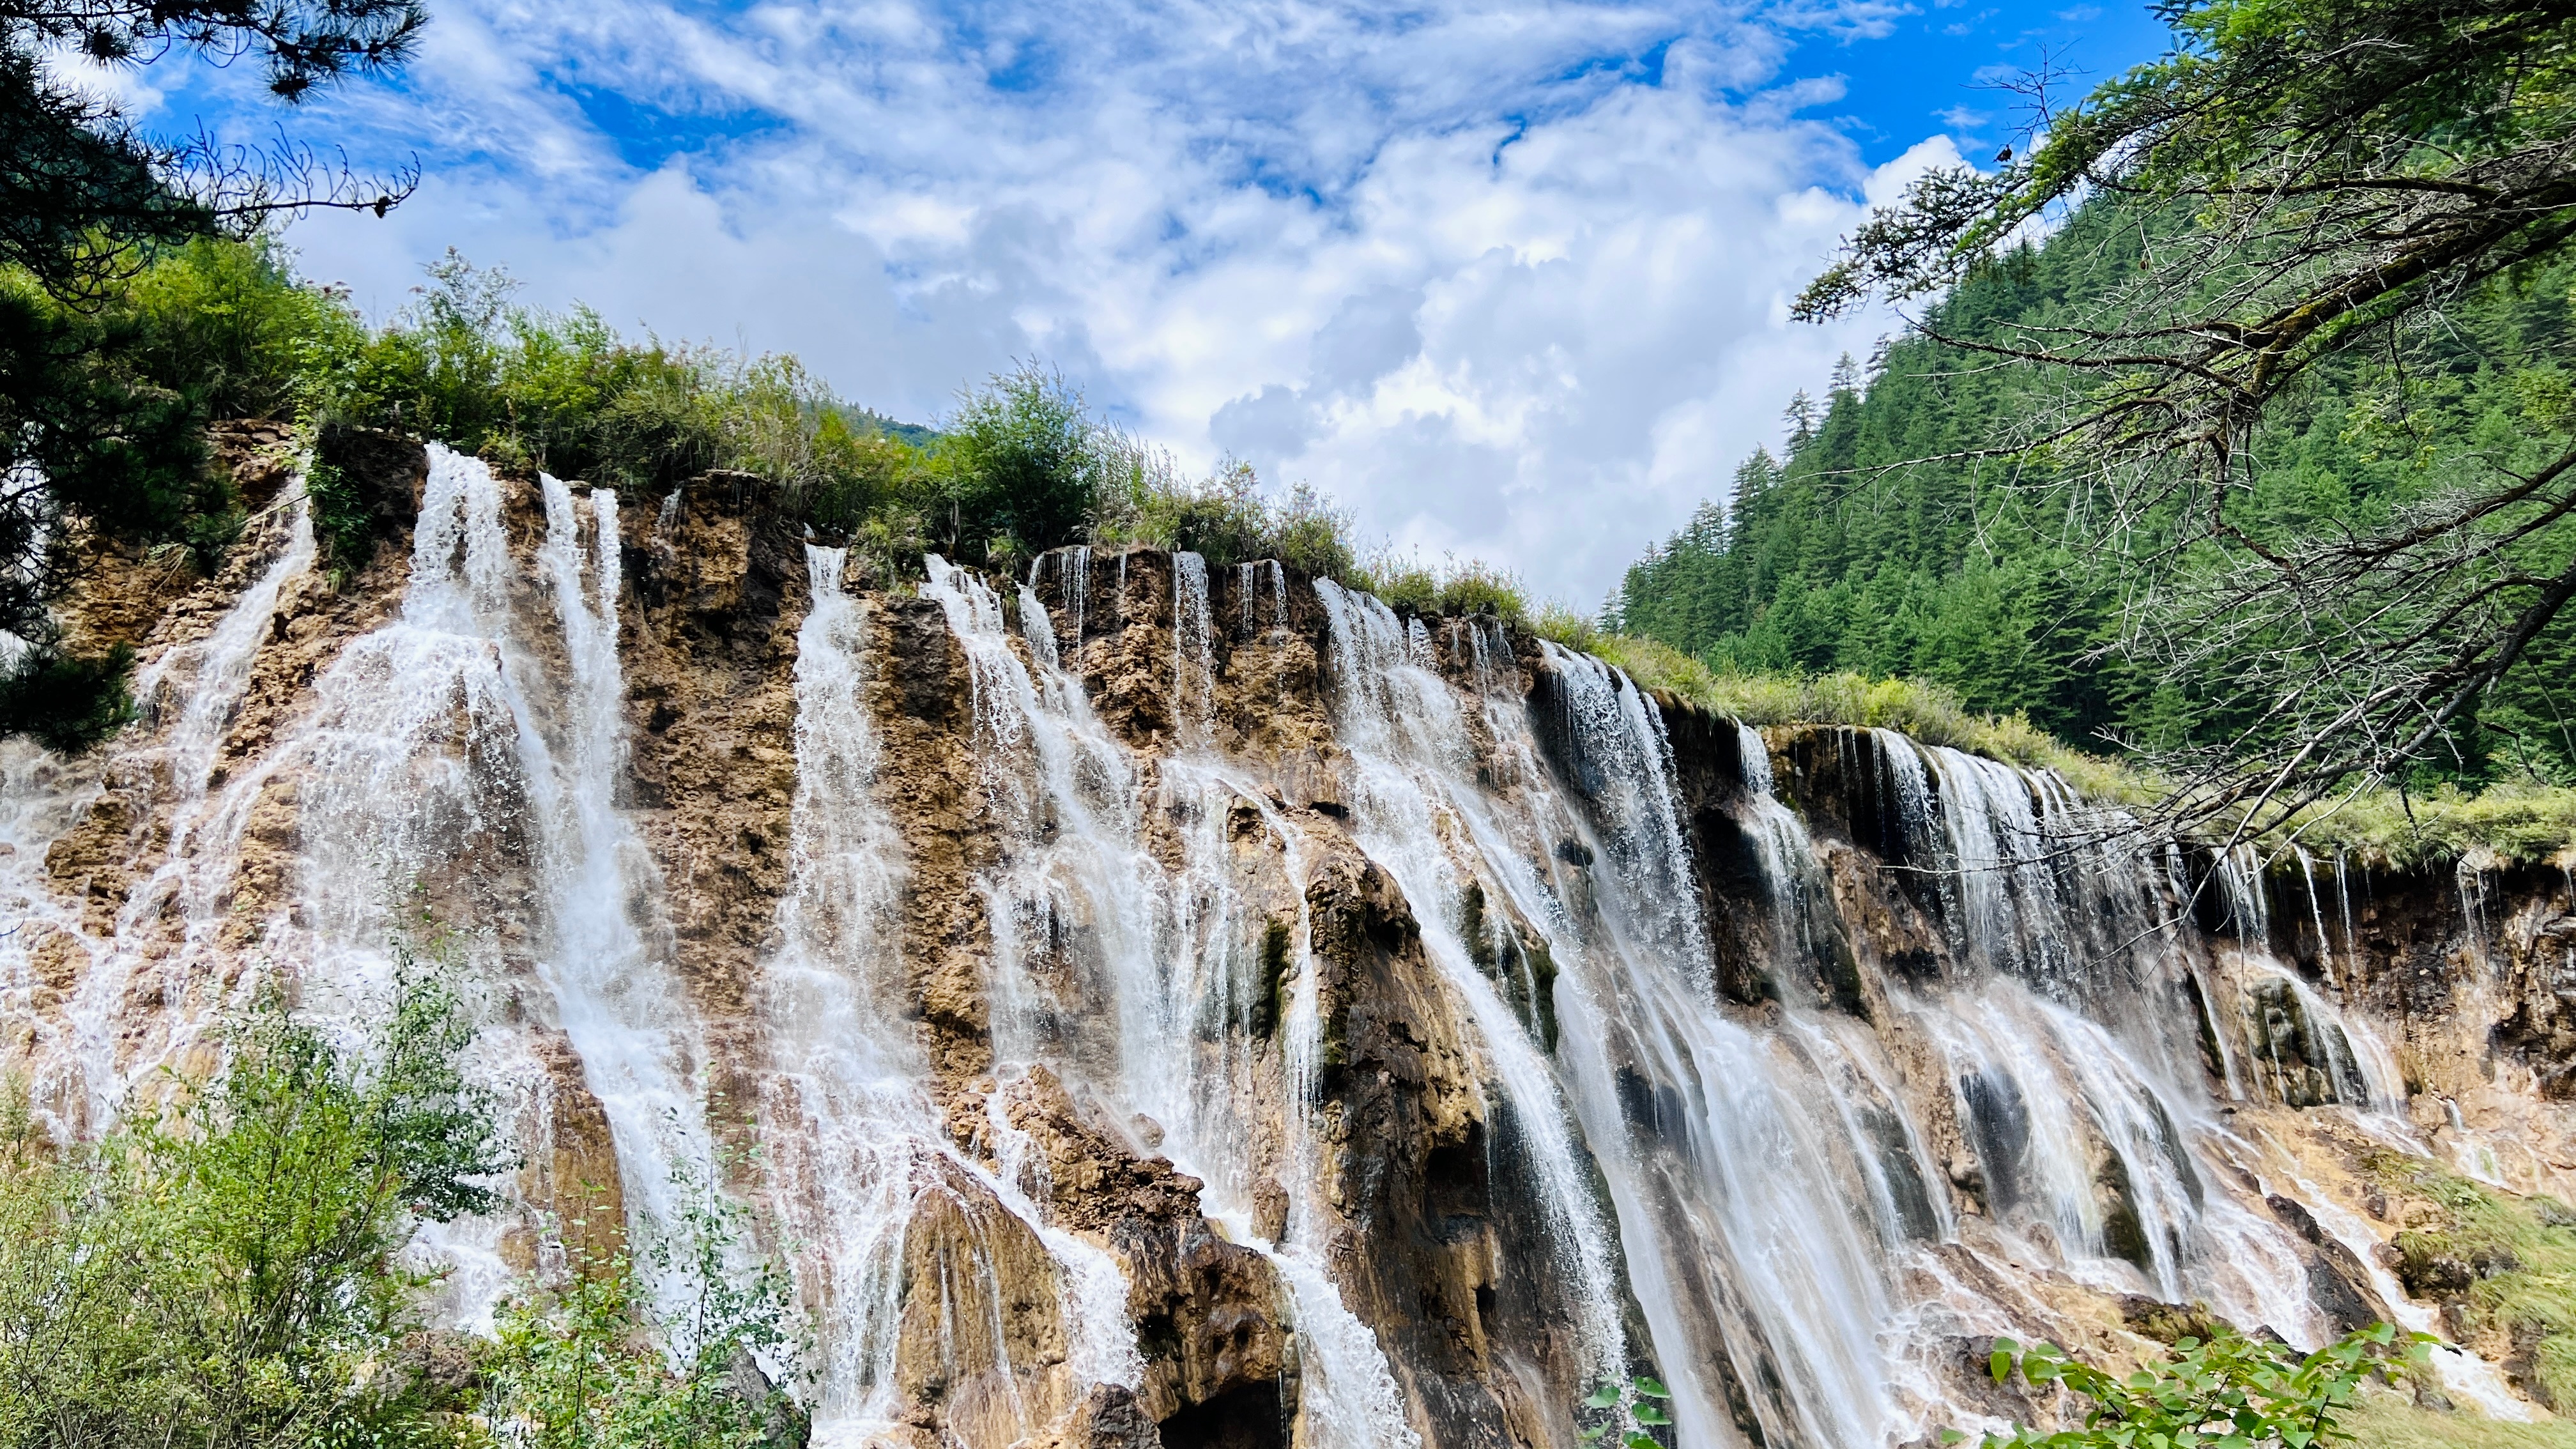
192	690
854	1141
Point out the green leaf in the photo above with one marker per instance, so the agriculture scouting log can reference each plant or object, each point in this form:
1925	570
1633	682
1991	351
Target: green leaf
1604	1397
1651	1389
1649	1414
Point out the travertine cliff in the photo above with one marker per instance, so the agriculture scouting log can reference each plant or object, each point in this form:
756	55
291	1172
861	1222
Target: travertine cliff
1195	1006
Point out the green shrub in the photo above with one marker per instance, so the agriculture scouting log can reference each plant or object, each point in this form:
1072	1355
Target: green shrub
1625	1414
2226	1392
67	701
1454	587
1225	518
1020	458
591	1364
230	324
220	1268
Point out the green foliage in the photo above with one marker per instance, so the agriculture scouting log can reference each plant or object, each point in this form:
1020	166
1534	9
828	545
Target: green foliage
221	1270
66	701
2306	107
2386	1421
82	193
122	322
342	522
593	1365
1627	1414
1224	518
533	390
2305	401
230	324
1890	542
2225	1392
1021	458
103	410
2513	820
1454	587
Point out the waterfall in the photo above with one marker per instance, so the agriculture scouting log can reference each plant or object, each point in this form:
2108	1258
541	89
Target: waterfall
206	679
1795	1208
194	690
1193	652
472	748
2317	915
1408	761
1160	960
1995	1056
2239	872
855	1136
1787	857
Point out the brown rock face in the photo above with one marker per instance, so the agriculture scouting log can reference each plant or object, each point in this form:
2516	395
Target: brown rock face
709	648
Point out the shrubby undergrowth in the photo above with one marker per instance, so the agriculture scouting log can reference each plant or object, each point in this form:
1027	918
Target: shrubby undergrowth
225	1267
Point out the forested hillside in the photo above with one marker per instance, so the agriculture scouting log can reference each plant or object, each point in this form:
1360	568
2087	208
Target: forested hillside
1894	537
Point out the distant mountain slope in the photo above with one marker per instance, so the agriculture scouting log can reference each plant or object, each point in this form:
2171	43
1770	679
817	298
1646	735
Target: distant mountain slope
1849	554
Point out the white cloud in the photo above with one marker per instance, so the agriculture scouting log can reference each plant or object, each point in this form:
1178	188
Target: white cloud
1510	277
122	87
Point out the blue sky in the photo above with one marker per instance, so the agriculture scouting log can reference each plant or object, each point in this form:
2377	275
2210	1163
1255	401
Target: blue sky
1508	277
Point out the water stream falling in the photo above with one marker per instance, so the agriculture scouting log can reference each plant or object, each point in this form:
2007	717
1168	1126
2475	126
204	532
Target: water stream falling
472	750
855	1142
191	692
1116	968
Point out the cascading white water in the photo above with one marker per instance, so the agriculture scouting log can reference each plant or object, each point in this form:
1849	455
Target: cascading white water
1161	959
855	1144
1795	1216
2239	874
1413	797
192	690
2084	1109
1193	652
2317	916
484	729
1787	857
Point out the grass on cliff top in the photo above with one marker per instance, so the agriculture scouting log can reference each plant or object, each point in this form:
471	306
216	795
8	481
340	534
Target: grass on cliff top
2508	821
1930	712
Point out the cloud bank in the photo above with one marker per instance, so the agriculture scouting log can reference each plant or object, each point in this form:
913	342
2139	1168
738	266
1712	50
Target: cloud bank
1508	277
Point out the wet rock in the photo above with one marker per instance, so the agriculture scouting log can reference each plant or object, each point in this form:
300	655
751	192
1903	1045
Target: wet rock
2338	1283
2425	1268
1109	1417
2169	1323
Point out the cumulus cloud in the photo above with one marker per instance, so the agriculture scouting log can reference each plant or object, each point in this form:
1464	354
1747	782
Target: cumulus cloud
1509	277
